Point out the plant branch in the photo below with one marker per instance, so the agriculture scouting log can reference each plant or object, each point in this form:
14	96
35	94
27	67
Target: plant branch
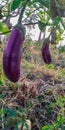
5	32
24	24
22	11
31	23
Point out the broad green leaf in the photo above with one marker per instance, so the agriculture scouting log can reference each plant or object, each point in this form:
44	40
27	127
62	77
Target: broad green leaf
15	4
42	26
56	21
3	27
46	3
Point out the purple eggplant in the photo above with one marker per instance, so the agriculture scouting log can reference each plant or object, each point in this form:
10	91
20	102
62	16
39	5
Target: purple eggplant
46	53
12	55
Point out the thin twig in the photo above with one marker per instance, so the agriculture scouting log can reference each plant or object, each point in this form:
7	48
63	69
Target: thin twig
31	23
24	24
5	32
22	12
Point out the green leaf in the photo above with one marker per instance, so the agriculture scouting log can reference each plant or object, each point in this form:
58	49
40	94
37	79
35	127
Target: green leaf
42	26
3	28
1	112
59	118
46	3
1	83
15	4
10	112
63	127
61	49
56	20
51	66
47	127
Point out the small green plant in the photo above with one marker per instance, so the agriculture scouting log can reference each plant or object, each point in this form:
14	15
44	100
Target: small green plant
61	49
59	123
50	66
12	118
